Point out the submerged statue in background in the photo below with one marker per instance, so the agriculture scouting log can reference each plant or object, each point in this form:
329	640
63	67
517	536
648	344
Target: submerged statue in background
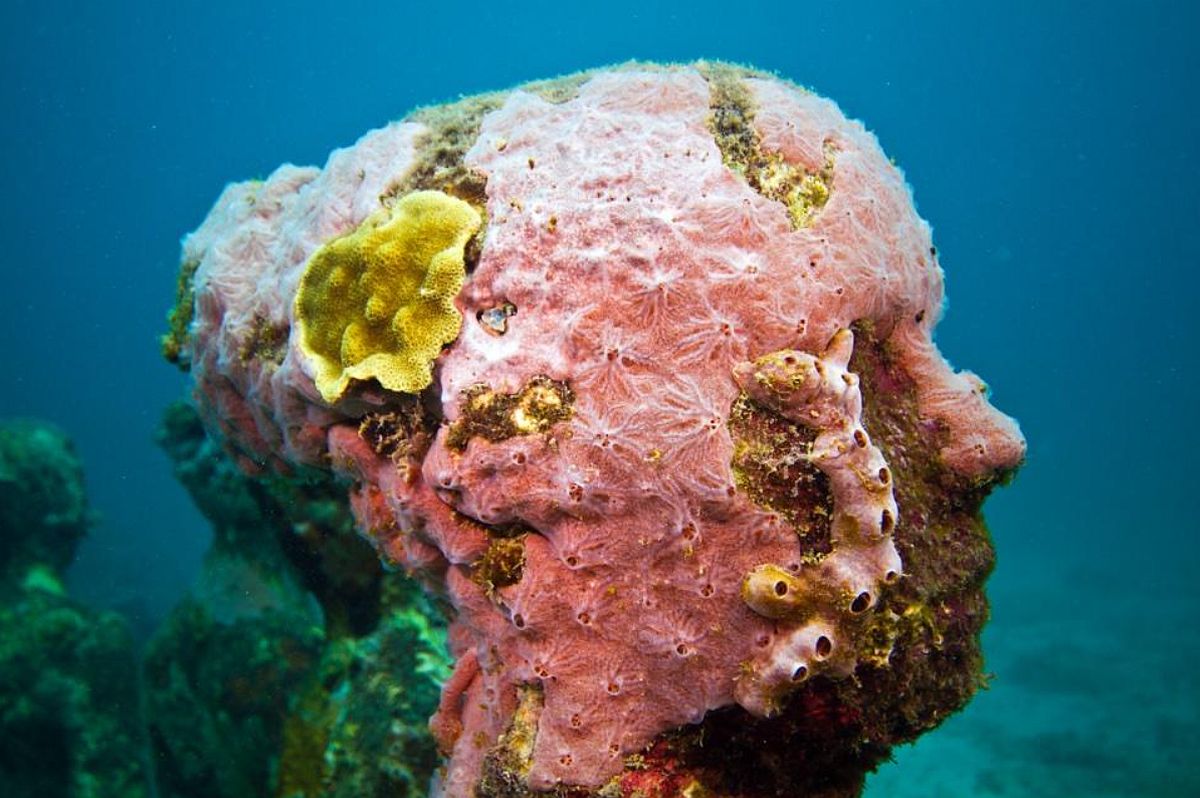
70	711
294	666
633	371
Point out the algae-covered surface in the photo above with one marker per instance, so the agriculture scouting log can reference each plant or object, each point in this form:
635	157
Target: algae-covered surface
1102	704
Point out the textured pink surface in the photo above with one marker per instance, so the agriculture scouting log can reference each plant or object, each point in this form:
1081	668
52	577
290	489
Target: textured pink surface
646	274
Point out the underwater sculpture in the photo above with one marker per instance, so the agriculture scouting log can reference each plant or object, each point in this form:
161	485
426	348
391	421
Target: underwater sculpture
293	665
69	697
635	369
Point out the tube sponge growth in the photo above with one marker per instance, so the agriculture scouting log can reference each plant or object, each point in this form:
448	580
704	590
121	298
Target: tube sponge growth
379	301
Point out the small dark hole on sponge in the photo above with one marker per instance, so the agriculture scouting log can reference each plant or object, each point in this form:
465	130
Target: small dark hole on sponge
861	602
781	588
824	646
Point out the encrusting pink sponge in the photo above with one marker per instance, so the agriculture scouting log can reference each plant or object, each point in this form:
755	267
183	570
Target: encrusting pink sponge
673	458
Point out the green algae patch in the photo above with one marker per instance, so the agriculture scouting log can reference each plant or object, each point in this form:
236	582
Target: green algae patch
502	564
508	763
496	416
404	433
267	342
176	341
731	121
771	467
441	151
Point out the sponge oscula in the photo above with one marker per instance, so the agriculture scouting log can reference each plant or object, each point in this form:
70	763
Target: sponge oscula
378	302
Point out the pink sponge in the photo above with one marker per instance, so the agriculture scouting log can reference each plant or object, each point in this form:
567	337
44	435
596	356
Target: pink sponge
666	251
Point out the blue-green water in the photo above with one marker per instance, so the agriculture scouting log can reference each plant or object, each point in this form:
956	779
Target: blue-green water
1055	148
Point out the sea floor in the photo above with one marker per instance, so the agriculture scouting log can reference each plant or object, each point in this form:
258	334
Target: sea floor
1095	692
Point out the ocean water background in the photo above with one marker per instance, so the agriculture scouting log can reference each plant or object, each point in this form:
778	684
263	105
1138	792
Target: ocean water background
1055	148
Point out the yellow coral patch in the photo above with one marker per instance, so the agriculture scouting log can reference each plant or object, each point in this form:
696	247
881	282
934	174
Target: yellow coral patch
378	303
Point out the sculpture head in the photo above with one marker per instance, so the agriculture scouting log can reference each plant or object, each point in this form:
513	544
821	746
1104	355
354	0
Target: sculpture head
693	448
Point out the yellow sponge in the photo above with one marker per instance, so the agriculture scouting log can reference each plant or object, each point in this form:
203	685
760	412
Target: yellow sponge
378	303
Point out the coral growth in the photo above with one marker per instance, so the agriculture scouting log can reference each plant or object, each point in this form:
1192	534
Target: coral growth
69	697
378	303
294	666
43	509
691	462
